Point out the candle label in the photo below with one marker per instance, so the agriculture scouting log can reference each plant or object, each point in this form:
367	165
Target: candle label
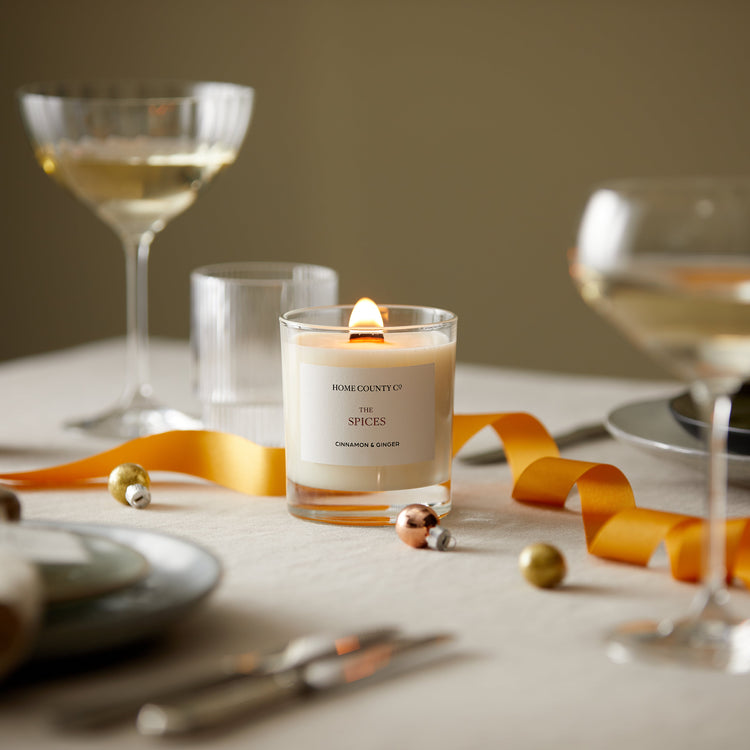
367	416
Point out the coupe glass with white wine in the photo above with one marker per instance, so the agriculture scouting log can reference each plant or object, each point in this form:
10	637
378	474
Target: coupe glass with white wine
667	261
137	154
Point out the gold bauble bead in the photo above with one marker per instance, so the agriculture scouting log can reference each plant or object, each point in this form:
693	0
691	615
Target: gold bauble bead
542	565
129	484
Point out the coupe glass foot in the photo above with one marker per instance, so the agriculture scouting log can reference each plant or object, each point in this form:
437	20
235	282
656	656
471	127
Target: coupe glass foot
718	644
126	423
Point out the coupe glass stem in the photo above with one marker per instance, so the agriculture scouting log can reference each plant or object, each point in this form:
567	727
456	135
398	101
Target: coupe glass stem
716	407
138	388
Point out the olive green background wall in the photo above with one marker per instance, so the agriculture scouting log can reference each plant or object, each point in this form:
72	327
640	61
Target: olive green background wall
434	152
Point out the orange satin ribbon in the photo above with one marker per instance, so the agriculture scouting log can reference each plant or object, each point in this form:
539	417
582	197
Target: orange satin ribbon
219	457
613	526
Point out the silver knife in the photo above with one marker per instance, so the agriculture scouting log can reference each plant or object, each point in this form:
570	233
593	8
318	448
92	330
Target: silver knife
296	653
583	434
247	697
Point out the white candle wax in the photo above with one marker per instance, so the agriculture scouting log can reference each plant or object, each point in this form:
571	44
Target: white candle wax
368	416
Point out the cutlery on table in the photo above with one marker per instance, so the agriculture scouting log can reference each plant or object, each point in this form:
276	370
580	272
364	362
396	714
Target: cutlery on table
582	434
296	653
244	698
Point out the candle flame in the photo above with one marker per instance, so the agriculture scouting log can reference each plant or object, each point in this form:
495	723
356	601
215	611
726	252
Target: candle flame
366	317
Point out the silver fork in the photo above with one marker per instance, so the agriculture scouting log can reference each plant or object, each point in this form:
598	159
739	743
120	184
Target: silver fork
296	653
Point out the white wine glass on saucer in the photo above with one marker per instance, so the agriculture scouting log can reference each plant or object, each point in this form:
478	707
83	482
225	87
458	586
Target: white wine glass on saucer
137	154
667	261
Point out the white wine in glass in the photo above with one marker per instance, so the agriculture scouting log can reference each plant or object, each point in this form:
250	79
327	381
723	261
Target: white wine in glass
667	261
137	154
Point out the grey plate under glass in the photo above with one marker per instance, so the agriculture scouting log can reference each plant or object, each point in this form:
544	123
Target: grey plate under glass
650	426
684	410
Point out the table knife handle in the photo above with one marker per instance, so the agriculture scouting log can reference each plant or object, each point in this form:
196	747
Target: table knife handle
575	436
219	704
126	705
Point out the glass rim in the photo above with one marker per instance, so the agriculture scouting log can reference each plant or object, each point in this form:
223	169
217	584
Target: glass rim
214	272
675	183
447	318
46	90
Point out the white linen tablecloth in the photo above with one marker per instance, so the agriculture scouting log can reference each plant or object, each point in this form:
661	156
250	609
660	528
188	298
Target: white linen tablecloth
529	669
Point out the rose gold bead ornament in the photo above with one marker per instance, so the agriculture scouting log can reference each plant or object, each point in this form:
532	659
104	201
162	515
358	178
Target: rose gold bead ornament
129	484
542	565
419	526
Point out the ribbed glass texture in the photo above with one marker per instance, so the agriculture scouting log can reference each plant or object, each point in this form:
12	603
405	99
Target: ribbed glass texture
236	359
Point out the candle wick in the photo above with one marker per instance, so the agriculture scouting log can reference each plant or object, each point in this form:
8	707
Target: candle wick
366	336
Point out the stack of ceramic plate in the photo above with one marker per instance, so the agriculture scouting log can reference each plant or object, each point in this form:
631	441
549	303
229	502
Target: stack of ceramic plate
672	427
128	585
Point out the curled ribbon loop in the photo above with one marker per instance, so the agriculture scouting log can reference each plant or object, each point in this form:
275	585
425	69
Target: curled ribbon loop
614	527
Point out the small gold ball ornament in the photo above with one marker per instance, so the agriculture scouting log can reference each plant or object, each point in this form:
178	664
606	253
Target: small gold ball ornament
542	565
10	505
129	484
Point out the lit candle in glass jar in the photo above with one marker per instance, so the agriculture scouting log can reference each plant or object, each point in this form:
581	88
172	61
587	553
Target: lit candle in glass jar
368	405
